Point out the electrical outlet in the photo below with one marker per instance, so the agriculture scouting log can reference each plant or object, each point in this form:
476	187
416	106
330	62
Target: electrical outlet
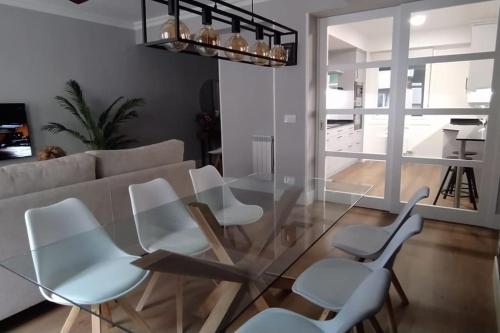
290	119
289	180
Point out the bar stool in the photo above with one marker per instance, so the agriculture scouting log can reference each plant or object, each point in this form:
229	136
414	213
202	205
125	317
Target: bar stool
447	188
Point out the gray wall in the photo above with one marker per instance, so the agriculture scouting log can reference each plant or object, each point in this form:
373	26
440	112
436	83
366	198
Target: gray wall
244	115
40	52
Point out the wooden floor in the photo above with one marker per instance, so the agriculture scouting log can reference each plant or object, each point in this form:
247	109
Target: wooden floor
446	272
413	176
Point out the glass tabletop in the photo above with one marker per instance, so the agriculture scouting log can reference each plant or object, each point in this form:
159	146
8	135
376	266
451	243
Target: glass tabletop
244	234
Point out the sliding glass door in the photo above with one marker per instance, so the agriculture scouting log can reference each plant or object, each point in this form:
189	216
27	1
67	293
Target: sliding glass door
405	100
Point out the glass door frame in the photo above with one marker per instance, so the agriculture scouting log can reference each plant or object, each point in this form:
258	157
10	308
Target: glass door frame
486	215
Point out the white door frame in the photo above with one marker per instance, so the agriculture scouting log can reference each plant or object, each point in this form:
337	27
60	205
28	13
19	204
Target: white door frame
486	215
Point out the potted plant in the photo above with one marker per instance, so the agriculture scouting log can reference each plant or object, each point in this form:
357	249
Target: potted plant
102	132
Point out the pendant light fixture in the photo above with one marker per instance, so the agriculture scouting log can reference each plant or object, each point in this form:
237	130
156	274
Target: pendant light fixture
207	35
169	30
175	35
236	42
260	47
278	52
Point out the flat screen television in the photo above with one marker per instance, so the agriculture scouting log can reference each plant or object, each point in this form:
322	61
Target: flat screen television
14	132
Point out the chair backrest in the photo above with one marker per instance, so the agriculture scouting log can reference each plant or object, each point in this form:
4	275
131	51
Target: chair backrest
405	213
365	302
410	228
157	211
211	189
64	239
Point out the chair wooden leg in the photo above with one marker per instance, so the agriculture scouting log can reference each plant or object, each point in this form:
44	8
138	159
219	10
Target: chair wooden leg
324	314
106	313
147	292
399	289
390	313
376	325
70	321
134	316
179	301
360	328
96	320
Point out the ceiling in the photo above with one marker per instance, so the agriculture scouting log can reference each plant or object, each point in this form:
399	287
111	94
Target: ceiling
122	13
449	17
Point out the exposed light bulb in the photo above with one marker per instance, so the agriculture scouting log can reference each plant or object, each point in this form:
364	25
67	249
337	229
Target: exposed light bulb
278	52
207	35
260	48
169	31
236	42
417	19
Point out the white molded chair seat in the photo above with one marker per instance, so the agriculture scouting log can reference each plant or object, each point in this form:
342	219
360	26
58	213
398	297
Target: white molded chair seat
362	304
189	241
239	215
101	282
211	189
363	241
367	241
277	320
162	220
330	282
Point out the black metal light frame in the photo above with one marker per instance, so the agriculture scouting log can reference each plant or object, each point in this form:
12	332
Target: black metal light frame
249	21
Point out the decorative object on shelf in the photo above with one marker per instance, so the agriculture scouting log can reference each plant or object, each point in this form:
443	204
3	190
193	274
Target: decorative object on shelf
101	133
50	152
207	35
236	42
278	52
175	35
169	30
260	48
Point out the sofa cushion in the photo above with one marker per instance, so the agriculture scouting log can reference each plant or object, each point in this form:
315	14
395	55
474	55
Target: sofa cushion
115	162
23	178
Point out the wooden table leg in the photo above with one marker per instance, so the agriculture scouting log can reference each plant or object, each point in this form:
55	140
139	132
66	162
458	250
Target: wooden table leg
216	316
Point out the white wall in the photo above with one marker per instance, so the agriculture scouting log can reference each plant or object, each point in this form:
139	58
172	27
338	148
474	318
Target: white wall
292	85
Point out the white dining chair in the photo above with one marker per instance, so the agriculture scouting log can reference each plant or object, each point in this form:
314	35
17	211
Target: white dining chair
330	282
211	189
76	262
367	241
364	303
163	223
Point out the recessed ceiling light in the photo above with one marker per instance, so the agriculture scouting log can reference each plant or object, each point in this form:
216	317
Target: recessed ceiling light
417	20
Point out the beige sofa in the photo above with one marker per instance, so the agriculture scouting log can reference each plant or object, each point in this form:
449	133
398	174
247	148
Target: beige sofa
99	178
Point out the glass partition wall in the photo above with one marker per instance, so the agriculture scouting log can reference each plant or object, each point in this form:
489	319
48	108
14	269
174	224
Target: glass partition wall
406	100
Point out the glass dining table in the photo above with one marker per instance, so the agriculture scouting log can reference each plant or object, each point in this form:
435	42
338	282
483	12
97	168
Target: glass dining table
243	264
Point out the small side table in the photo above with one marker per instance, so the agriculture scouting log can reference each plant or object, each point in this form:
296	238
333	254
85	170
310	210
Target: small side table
216	158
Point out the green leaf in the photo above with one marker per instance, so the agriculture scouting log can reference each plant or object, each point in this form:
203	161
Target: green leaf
55	128
104	116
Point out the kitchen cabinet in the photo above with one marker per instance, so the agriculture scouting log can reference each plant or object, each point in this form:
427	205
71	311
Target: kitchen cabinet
483	39
342	138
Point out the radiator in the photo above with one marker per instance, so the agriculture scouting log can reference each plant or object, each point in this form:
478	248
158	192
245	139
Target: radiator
263	154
